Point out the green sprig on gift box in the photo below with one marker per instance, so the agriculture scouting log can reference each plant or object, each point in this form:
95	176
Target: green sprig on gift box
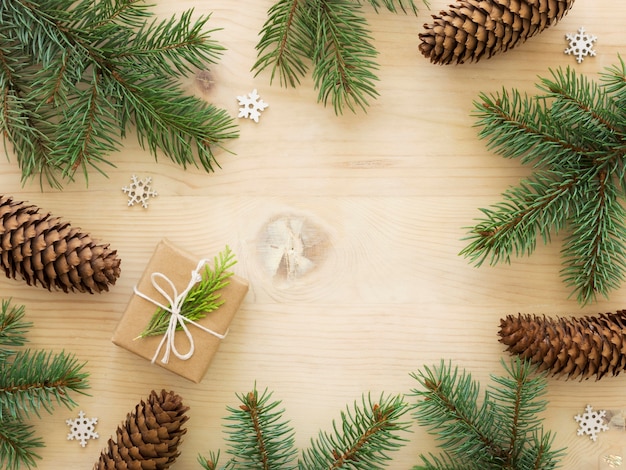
201	299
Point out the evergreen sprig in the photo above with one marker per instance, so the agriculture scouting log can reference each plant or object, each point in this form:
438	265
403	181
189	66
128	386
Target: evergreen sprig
18	444
30	380
260	438
331	35
500	430
75	76
203	298
257	435
363	439
573	135
13	328
35	380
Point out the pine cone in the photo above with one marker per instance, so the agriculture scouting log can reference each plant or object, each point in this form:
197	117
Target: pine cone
149	438
44	249
575	347
472	29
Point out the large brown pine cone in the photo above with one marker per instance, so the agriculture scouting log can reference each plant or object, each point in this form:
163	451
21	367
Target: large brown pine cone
47	251
472	29
149	438
575	347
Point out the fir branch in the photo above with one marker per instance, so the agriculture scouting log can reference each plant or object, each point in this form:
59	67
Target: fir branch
364	438
258	436
32	380
503	432
22	125
180	43
18	445
129	12
614	82
286	41
538	206
574	136
88	130
334	36
13	328
343	58
449	407
203	298
595	259
74	76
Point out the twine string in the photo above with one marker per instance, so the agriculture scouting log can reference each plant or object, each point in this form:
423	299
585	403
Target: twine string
175	302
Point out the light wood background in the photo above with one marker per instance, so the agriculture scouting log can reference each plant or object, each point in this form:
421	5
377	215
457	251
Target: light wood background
381	199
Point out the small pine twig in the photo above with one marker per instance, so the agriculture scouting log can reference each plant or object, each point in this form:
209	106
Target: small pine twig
33	380
332	36
18	445
573	135
363	439
13	328
210	463
203	298
502	430
258	436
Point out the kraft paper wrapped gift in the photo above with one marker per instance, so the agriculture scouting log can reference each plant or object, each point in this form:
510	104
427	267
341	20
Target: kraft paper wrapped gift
177	265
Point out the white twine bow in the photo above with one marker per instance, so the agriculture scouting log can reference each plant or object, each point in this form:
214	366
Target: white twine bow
175	302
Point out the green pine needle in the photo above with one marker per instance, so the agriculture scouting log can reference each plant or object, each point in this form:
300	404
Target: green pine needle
498	430
203	298
331	35
75	76
573	135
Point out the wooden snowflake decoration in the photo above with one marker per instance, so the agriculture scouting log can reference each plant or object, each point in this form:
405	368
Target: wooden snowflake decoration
581	44
139	191
591	423
82	429
251	106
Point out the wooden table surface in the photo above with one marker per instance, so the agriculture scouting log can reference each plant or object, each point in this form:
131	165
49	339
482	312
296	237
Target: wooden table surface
379	199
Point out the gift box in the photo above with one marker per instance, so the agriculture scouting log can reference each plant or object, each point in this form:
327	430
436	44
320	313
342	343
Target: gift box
178	266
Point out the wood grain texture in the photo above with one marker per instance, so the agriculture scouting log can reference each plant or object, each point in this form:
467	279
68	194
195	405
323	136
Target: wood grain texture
378	201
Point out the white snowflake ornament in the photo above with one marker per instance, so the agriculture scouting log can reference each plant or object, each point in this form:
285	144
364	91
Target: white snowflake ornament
591	423
82	429
251	106
581	44
139	191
